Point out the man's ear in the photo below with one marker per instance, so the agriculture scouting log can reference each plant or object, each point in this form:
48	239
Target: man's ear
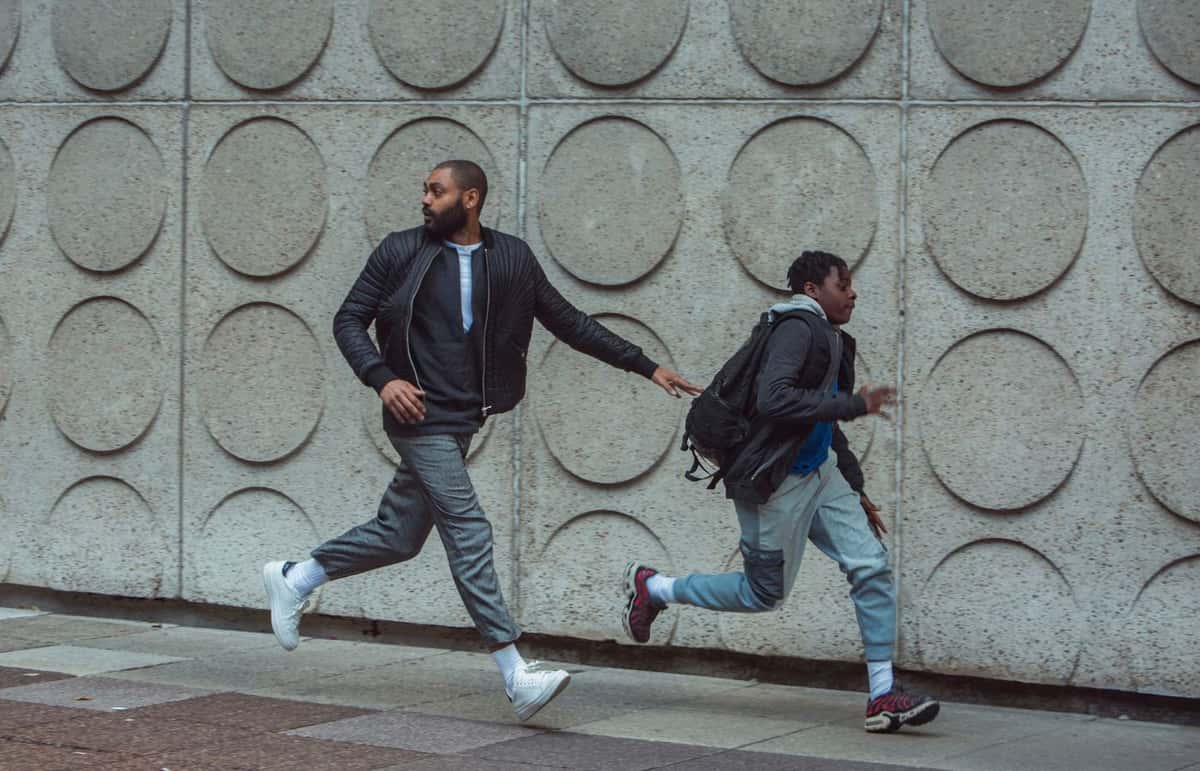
810	289
471	198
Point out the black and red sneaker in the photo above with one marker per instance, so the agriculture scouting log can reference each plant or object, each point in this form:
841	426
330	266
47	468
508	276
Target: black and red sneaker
895	708
640	610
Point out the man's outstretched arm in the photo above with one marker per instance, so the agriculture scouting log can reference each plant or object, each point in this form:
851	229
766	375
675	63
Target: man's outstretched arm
585	334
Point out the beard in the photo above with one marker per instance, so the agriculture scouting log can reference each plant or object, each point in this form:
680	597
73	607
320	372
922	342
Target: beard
448	222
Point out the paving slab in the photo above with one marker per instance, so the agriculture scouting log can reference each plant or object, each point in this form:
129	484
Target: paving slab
118	732
958	729
388	687
275	752
48	628
738	760
712	729
638	689
6	613
18	714
38	757
1101	743
186	641
809	705
462	763
100	693
76	660
572	707
18	644
266	670
412	731
571	750
15	677
252	713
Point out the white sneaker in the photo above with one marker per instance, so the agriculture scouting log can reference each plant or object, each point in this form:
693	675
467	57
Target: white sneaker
286	606
533	688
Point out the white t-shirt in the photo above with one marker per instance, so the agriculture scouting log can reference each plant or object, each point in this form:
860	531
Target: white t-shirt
464	280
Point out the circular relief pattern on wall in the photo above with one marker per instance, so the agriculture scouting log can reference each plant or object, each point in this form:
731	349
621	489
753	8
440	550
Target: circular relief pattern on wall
999	609
261	381
5	366
612	201
106	195
574	577
264	199
107	45
800	183
108	376
1002	420
1164	656
802	42
1010	43
1172	30
372	415
1164	435
1166	227
103	515
10	28
602	424
246	529
8	190
267	44
404	160
615	42
422	44
1006	210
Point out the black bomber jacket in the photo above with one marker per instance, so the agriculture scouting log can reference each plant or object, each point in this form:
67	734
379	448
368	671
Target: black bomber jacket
517	293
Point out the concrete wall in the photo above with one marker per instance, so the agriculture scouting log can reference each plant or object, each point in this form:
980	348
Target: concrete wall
1015	183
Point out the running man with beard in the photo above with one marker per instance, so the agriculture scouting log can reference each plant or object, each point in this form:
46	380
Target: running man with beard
453	305
788	488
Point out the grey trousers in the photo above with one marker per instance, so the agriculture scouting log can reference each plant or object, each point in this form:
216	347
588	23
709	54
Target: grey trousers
431	488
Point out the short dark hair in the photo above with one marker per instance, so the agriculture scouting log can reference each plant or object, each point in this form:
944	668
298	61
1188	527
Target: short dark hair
467	174
813	266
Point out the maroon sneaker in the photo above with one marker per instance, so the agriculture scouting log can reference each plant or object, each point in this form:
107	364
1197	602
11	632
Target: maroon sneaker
640	611
895	708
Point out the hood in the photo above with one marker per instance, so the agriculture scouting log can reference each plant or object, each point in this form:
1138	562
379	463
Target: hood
798	302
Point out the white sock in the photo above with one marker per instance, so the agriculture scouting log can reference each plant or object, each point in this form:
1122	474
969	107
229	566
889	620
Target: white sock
880	673
662	589
509	660
305	576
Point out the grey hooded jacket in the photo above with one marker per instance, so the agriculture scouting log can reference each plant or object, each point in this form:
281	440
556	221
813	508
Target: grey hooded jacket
791	396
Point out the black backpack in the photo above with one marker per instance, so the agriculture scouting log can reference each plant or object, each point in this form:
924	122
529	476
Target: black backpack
718	421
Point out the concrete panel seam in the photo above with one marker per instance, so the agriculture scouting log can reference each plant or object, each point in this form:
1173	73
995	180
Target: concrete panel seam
183	257
902	243
624	101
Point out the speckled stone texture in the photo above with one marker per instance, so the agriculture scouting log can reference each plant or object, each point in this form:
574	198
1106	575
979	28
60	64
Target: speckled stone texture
1013	183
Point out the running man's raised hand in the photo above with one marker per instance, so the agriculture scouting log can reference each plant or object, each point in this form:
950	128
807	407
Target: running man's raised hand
672	382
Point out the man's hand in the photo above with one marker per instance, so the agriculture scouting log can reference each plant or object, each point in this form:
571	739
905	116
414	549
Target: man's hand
873	518
672	382
404	400
878	397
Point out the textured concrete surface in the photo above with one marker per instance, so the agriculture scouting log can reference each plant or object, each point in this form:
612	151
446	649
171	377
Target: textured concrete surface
607	718
1015	184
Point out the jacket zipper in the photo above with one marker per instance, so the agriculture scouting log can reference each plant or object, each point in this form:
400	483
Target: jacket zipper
487	311
408	325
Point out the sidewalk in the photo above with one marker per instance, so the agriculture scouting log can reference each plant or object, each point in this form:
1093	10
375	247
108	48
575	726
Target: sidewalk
93	693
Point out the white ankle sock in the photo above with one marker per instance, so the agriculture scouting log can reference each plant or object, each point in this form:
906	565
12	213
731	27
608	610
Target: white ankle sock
509	660
882	680
305	576
661	588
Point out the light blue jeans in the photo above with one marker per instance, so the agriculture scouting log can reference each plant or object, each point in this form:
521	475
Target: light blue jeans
820	507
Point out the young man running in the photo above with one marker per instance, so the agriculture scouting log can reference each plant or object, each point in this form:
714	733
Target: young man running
453	305
787	488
